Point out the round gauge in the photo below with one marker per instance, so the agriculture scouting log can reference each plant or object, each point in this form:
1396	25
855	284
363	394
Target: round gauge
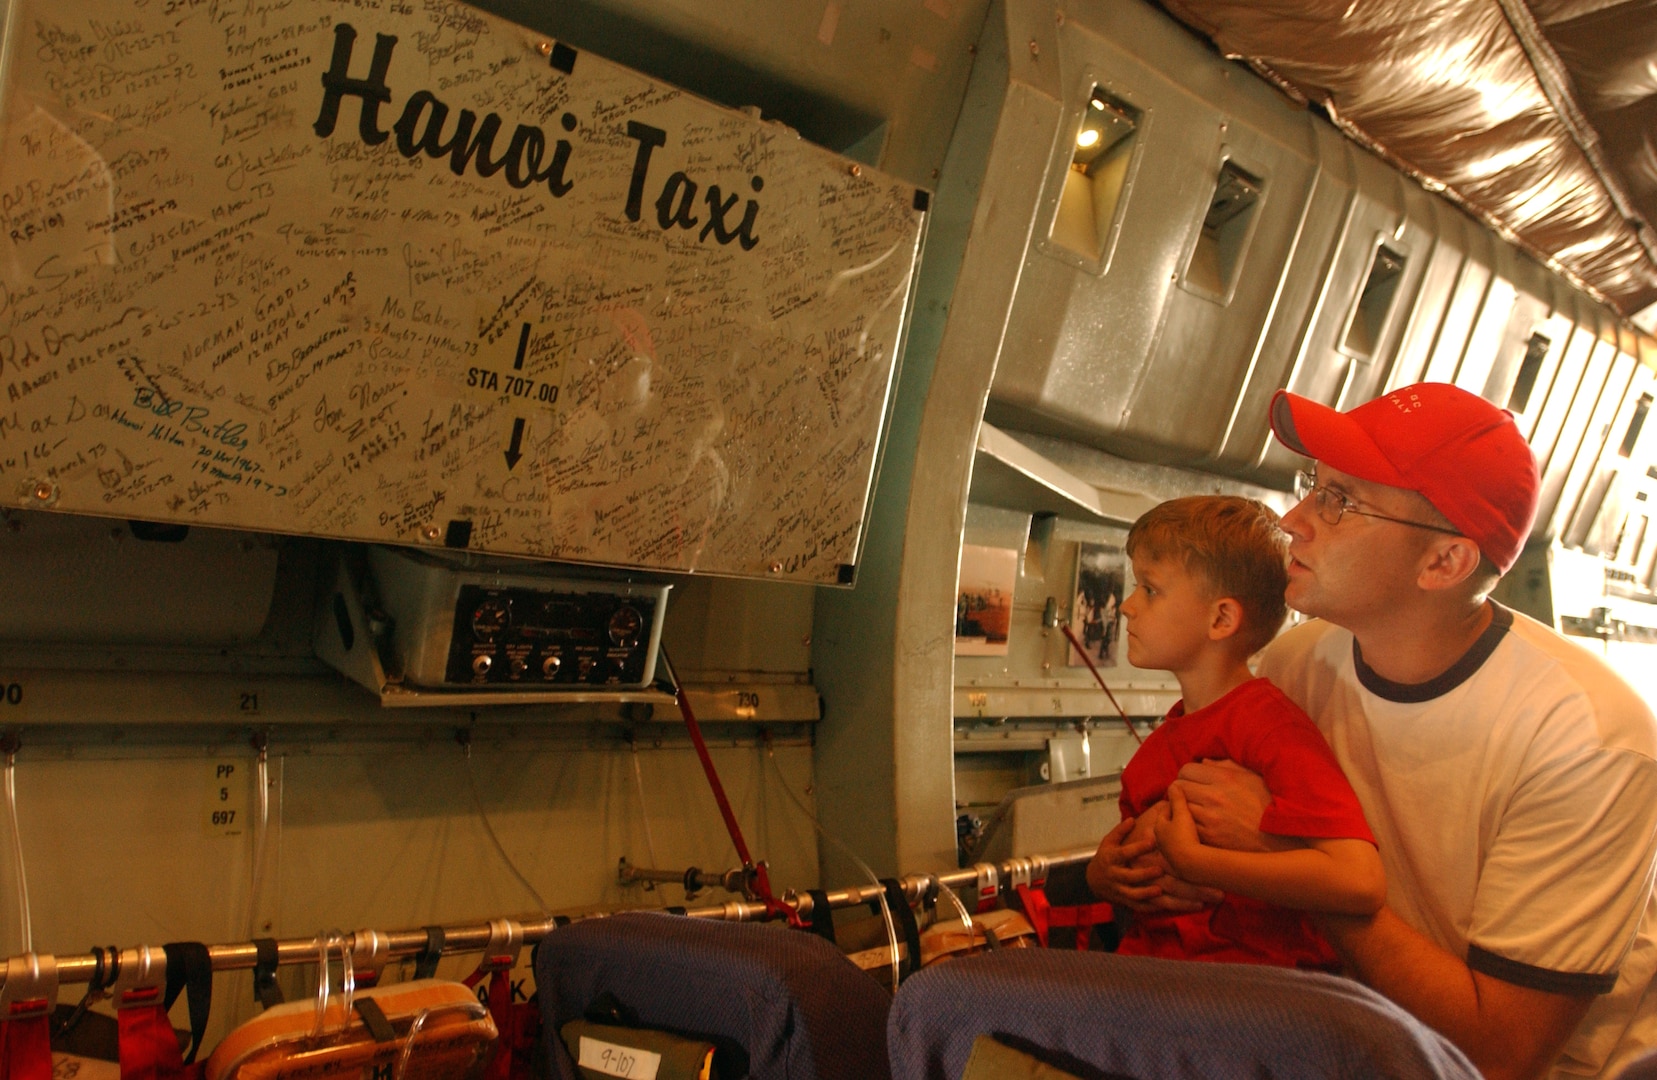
490	618
625	625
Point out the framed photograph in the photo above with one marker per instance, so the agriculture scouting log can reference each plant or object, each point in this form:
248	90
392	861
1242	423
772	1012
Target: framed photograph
984	600
1095	612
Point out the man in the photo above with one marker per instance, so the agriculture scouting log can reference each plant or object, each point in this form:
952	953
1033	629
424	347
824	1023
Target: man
1509	775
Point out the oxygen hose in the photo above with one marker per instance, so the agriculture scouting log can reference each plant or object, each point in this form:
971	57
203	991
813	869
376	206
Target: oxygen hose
10	744
880	890
261	827
644	814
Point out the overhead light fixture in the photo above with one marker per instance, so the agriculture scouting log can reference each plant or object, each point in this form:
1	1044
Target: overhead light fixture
1087	137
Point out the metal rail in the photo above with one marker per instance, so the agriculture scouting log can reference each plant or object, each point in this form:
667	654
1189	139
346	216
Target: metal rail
373	948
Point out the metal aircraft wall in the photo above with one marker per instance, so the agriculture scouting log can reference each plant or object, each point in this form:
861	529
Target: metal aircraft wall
384	272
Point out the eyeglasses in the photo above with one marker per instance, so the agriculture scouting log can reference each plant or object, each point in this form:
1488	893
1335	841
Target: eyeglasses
1331	505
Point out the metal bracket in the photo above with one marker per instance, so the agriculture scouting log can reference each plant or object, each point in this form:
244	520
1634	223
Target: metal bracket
370	952
30	987
989	883
142	978
506	941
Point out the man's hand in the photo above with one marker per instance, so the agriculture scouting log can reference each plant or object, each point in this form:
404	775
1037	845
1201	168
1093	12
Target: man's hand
1226	802
1127	870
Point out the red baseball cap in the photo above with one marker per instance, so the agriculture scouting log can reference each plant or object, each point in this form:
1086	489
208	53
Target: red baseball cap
1462	453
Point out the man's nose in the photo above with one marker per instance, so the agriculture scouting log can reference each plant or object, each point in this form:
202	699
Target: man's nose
1298	521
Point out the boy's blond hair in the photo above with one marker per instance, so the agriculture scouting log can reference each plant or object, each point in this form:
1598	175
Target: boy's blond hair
1230	542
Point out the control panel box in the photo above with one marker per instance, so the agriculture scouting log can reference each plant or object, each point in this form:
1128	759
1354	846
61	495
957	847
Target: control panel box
499	625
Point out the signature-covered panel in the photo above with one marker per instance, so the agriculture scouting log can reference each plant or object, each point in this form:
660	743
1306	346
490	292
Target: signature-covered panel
407	272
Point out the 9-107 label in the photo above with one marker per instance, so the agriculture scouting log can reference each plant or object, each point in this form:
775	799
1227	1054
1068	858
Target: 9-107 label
612	1060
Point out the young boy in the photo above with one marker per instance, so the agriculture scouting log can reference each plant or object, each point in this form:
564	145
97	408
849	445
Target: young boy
1209	573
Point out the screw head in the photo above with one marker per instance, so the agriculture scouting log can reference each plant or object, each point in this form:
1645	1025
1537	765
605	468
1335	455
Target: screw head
544	48
430	532
1035	50
776	568
44	492
855	169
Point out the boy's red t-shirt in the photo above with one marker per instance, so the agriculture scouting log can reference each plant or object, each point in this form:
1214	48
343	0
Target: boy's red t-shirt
1259	728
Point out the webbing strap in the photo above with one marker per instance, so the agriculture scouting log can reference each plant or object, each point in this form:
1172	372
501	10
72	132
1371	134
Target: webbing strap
762	880
265	988
374	1019
507	1021
1036	907
26	1043
190	969
905	916
1043	915
822	917
425	967
148	1047
1100	679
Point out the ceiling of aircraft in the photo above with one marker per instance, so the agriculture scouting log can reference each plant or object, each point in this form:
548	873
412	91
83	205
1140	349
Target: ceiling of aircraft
1538	116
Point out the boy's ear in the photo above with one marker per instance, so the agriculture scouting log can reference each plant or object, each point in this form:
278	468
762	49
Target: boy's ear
1225	619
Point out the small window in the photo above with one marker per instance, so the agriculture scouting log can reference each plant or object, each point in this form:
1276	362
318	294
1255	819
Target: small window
1098	174
1374	303
1225	231
1529	368
1631	437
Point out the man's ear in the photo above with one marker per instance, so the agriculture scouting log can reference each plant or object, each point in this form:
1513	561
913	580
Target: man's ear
1225	618
1447	563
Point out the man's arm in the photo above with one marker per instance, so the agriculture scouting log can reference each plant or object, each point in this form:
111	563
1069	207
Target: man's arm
1510	1032
1341	876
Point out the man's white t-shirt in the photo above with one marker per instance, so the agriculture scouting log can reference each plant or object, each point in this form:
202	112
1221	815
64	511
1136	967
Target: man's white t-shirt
1514	801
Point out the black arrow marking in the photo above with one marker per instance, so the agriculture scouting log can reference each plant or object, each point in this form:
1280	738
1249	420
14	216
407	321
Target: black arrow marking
512	455
523	347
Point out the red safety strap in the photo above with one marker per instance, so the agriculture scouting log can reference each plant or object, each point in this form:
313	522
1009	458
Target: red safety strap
148	1046
1043	915
26	1042
762	881
517	1026
1100	679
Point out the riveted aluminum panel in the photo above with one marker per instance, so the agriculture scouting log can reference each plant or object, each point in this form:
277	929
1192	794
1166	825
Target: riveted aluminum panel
1590	420
615	324
1329	366
1129	352
1597	525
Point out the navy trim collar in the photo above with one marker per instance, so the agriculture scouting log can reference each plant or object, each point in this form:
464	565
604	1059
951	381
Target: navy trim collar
1501	622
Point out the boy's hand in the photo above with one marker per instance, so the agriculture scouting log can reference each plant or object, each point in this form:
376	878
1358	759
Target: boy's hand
1127	870
1176	833
1113	876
